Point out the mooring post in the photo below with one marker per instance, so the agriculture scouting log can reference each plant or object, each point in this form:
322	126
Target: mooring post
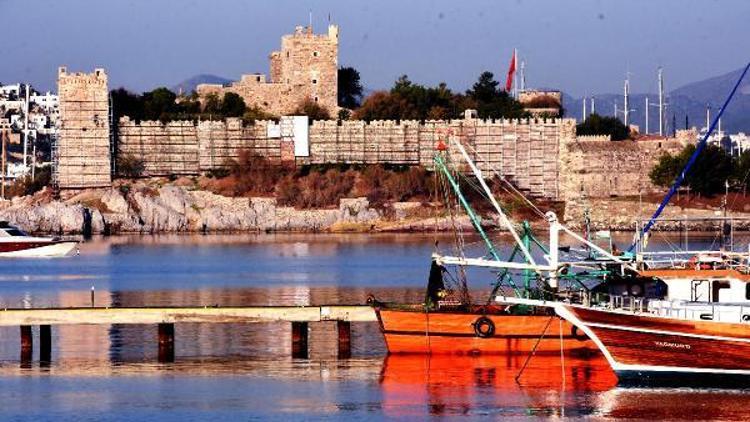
27	343
166	342
299	340
344	329
45	344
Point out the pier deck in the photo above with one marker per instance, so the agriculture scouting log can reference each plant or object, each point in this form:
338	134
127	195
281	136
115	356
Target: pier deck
171	315
166	318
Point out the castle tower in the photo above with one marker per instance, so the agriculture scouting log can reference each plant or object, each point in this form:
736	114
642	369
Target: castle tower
82	159
305	68
308	64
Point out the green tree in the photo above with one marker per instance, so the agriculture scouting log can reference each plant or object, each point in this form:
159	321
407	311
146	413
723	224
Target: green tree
125	103
711	170
313	110
603	125
349	88
256	113
232	105
741	176
212	105
159	104
492	102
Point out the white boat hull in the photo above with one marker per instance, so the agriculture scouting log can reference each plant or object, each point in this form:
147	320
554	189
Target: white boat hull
54	250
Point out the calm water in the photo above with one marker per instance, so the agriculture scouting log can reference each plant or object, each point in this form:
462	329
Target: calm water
238	371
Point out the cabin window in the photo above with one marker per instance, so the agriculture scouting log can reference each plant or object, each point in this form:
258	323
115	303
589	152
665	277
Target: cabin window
699	290
716	286
15	232
747	291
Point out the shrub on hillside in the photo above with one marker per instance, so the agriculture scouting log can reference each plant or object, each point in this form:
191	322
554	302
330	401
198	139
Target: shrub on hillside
254	174
28	186
130	166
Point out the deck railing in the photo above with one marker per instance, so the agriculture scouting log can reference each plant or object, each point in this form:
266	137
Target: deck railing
694	311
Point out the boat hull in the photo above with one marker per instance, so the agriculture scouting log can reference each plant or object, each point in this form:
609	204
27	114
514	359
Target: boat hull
414	331
52	249
652	350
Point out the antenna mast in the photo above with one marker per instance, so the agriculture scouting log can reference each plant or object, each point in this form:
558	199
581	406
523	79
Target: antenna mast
584	108
26	131
661	102
626	112
646	115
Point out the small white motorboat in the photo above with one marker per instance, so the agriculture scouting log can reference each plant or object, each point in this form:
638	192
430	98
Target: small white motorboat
15	243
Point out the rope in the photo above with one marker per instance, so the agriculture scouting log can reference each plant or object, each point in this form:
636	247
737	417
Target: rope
504	180
533	350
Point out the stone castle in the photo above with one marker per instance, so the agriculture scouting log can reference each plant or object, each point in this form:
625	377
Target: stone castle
541	155
305	69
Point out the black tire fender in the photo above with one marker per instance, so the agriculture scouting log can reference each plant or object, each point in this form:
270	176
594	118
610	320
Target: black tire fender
484	327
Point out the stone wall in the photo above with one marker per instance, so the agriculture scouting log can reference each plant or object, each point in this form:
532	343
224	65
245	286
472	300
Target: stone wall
526	151
598	167
221	141
82	155
305	68
166	149
187	148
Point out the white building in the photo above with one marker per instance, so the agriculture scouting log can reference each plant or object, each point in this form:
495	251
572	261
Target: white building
47	102
8	91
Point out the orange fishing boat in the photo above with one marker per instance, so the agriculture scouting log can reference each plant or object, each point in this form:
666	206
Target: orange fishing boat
448	322
482	330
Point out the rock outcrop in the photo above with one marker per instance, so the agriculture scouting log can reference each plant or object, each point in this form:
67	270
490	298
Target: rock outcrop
144	209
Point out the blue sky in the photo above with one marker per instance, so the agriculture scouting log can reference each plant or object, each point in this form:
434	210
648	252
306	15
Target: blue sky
581	47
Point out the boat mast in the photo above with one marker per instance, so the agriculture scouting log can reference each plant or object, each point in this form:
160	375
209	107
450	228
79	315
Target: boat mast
504	218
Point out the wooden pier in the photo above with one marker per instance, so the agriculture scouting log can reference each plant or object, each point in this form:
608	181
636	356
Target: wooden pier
166	317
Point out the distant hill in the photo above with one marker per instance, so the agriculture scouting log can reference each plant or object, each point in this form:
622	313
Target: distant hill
189	85
689	100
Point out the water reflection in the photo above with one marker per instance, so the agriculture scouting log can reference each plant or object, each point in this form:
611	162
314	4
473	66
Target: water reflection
447	385
246	370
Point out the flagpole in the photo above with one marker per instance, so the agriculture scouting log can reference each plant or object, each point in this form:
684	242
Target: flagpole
515	72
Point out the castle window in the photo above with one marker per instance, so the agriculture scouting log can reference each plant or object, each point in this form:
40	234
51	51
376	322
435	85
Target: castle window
316	53
257	79
287	54
315	81
316	99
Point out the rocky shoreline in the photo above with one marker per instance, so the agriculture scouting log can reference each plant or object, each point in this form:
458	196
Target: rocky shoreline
141	207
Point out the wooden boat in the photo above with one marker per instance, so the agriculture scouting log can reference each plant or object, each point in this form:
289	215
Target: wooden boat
482	330
671	343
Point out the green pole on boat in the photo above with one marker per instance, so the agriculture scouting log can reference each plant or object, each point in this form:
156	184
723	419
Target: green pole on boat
527	244
475	220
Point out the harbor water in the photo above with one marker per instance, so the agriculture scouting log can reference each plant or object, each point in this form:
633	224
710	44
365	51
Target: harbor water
245	371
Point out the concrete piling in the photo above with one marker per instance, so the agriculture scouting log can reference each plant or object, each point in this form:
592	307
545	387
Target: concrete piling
27	343
299	340
45	344
344	329
166	343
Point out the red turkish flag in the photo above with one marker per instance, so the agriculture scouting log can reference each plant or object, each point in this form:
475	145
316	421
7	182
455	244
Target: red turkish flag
511	72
